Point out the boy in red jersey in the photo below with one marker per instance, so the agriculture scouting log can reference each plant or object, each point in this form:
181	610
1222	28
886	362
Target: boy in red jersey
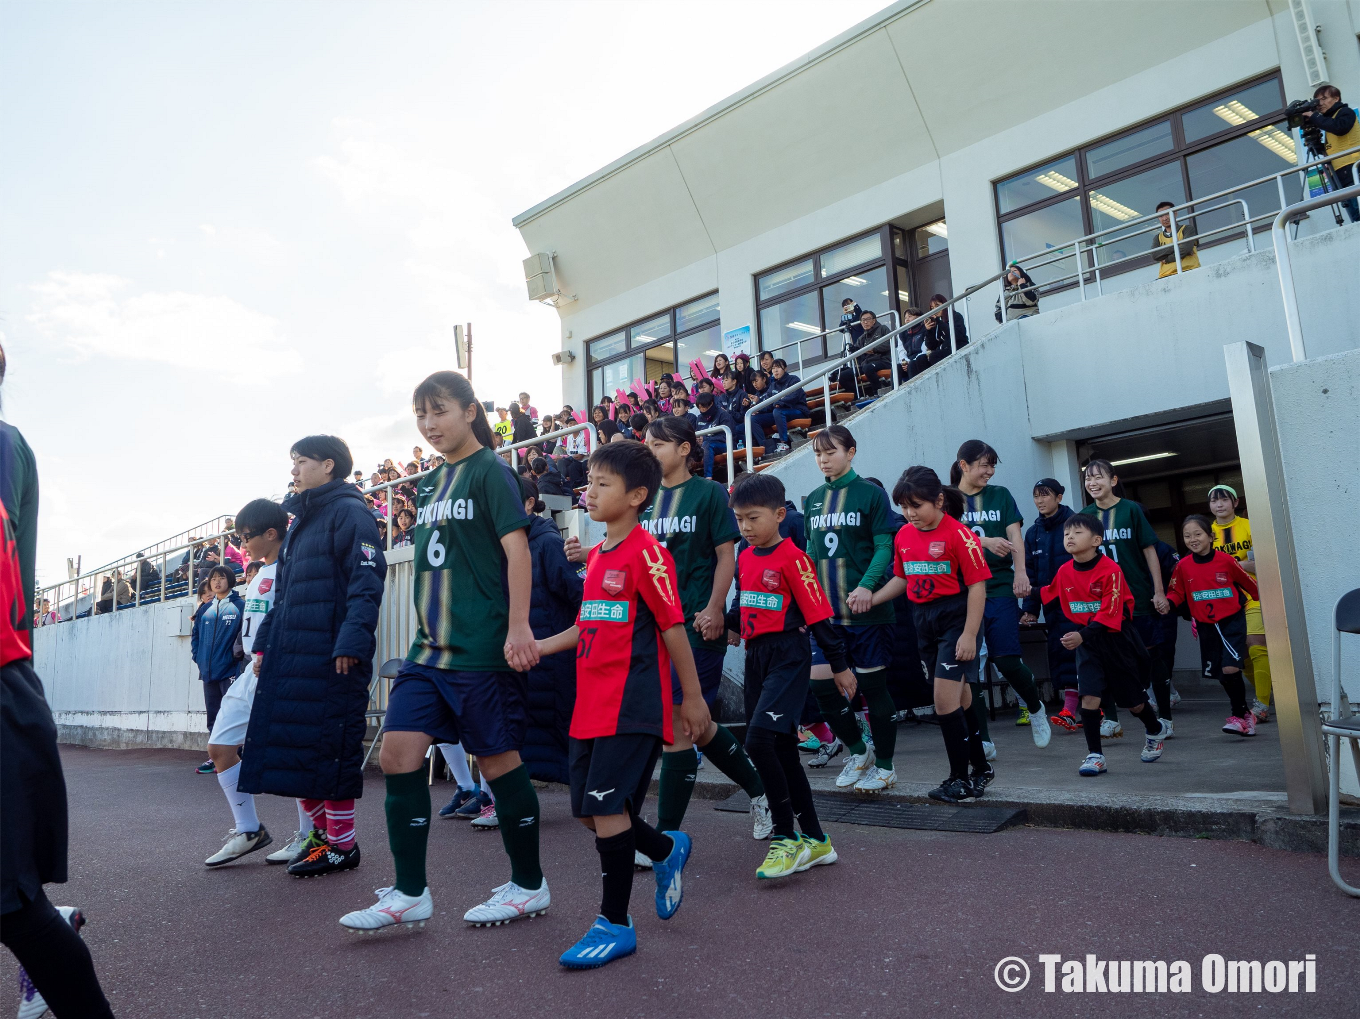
1215	590
630	628
779	599
1111	656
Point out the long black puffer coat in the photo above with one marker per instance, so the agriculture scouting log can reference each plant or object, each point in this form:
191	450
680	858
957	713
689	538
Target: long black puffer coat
552	682
307	725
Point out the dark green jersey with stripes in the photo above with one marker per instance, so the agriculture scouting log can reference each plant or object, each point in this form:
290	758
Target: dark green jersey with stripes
842	518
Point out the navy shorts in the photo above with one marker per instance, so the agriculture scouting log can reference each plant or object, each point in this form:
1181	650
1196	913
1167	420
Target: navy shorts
484	711
1223	645
866	647
709	664
1001	626
776	679
939	625
611	774
1115	664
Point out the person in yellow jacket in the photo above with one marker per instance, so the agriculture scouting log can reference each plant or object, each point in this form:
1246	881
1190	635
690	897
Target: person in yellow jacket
1162	240
1343	132
1232	534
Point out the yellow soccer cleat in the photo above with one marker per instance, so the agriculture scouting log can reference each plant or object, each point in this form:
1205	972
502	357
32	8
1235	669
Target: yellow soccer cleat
786	856
819	853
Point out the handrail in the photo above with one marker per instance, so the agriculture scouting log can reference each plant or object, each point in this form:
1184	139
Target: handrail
891	312
515	447
1285	266
154	547
731	453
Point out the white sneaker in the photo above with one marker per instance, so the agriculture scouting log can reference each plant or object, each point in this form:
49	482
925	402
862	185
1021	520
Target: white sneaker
238	845
1168	730
641	861
1175	696
32	1005
876	780
486	819
509	902
393	909
989	750
762	825
286	854
855	768
1039	728
1110	729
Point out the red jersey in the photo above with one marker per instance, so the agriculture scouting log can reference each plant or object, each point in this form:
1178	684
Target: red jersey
777	590
1099	594
13	640
939	562
1214	588
623	673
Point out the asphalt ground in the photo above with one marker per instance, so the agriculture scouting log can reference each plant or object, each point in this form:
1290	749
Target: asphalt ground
907	923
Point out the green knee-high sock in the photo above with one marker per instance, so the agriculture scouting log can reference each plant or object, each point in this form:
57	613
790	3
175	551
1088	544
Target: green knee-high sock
729	757
1017	674
678	771
408	828
874	686
979	710
837	714
517	817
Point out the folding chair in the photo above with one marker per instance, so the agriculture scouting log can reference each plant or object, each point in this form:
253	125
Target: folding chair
387	671
1346	617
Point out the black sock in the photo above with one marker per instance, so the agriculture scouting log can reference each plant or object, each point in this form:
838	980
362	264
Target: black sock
729	758
616	866
979	709
977	755
1014	670
1149	718
874	686
955	732
1109	708
679	769
1237	692
1160	669
761	745
650	842
1090	725
800	793
837	714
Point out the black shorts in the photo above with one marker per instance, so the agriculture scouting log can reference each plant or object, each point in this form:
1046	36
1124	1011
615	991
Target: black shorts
709	664
866	647
1114	663
1223	644
611	774
776	681
939	625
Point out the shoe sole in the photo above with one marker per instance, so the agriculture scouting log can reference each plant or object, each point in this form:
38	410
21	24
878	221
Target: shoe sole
1063	724
485	827
509	919
410	924
267	840
597	965
324	873
834	754
821	861
1090	774
945	799
876	790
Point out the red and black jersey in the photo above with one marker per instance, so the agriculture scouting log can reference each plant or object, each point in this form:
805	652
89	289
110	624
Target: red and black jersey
13	638
1099	593
1214	587
778	591
939	562
623	673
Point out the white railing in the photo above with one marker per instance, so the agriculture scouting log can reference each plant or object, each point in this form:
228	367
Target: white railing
1285	266
889	314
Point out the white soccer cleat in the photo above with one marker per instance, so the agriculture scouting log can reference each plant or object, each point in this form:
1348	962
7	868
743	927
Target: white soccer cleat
1039	728
1110	729
288	852
876	780
238	844
762	825
641	861
393	909
855	768
509	902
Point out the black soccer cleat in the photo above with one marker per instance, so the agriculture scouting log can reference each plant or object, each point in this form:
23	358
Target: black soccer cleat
951	790
325	859
978	781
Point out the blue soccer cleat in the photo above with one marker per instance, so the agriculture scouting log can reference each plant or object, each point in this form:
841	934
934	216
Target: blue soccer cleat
603	943
670	890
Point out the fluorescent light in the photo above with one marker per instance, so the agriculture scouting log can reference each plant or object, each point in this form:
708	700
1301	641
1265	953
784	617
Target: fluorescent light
854	281
802	327
937	228
902	295
1141	459
1235	113
1277	142
1111	208
1053	179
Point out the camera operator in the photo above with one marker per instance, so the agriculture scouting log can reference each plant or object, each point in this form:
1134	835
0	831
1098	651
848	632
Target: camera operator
1338	120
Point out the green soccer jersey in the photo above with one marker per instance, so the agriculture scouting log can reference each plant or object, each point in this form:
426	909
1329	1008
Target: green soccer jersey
462	605
1127	533
989	513
842	517
691	520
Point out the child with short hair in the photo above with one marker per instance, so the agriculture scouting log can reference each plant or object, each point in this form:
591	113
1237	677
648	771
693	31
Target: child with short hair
1111	656
630	629
1214	591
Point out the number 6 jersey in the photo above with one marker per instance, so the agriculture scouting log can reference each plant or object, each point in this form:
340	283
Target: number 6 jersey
463	510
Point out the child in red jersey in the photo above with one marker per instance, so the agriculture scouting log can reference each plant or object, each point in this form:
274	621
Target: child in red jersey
779	599
1111	657
940	565
630	629
1213	588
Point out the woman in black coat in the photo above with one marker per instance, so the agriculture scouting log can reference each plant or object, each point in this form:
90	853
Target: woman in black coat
307	724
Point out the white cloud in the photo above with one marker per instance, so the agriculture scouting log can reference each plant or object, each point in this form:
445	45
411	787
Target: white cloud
94	315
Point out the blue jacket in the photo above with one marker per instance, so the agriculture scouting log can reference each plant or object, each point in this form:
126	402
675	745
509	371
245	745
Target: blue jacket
734	404
717	417
214	638
553	606
307	725
1044	553
796	403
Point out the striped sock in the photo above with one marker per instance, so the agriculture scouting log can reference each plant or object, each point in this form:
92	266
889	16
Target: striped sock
340	823
316	812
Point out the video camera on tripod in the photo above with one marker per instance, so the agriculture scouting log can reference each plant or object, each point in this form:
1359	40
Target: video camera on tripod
1312	134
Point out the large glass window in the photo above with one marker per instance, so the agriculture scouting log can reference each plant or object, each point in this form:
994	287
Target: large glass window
1232	110
1055	178
1257	155
1133	198
696	313
703	345
783	325
1135	147
868	290
783	280
650	331
1043	230
847	256
658	344
607	347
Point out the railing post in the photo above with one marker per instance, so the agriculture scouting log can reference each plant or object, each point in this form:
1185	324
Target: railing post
1175	246
1081	270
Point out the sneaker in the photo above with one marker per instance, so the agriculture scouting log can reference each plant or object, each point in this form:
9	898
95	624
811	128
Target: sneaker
762	825
698	759
509	902
1152	748
785	857
781	447
1064	719
951	790
1168	730
1235	725
820	853
1092	765
641	861
1175	696
1110	729
855	768
825	753
1248	724
670	891
978	781
31	1003
1260	711
459	798
865	733
325	859
473	806
486	820
602	944
876	779
808	743
207	768
288	852
238	845
1040	729
1023	717
393	909
989	750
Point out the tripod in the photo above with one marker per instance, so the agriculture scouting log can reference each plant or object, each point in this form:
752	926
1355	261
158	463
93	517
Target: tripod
1312	141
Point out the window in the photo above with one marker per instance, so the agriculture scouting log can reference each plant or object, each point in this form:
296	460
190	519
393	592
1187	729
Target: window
1055	178
1135	147
847	256
1232	110
607	347
783	280
1042	230
783	325
658	344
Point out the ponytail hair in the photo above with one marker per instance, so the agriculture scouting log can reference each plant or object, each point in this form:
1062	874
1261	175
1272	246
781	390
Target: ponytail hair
447	385
677	429
970	452
921	484
1106	468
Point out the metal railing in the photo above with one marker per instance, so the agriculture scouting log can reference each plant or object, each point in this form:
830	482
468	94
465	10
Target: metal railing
731	453
1285	267
514	448
215	525
888	314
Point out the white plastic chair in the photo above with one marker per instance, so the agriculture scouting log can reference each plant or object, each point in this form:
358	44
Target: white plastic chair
1346	618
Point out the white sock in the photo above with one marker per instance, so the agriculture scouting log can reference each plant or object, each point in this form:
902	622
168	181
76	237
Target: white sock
486	788
458	764
242	804
304	819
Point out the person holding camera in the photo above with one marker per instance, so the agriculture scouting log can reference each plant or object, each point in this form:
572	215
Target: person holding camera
1338	120
1019	294
1161	240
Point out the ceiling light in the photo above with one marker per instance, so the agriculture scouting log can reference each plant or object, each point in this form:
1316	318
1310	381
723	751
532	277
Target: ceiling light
1235	113
1141	459
1107	205
937	228
1277	142
902	295
803	327
854	281
1055	180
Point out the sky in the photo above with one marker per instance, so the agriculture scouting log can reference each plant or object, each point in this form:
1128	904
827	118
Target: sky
224	226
